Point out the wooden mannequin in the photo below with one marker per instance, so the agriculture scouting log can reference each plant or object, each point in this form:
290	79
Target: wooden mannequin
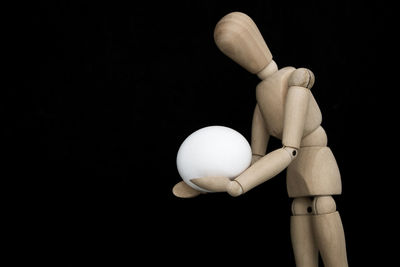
286	109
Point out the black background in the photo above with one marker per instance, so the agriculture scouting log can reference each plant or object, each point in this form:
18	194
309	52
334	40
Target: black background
98	98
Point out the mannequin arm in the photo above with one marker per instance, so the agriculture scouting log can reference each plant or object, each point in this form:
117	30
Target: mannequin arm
182	190
261	171
296	107
274	162
259	142
268	166
259	136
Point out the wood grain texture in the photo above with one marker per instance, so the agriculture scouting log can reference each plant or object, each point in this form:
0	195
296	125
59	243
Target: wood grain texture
324	205
316	226
295	115
264	169
259	134
213	184
183	190
302	77
314	172
316	138
255	158
234	189
304	246
270	69
329	237
271	97
287	110
302	206
238	37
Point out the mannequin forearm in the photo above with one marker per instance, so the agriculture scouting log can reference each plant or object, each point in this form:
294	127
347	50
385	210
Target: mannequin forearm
264	169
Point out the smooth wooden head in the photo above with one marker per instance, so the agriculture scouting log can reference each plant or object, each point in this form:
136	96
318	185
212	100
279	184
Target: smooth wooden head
238	37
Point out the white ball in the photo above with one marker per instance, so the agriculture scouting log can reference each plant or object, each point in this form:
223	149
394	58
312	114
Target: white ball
213	151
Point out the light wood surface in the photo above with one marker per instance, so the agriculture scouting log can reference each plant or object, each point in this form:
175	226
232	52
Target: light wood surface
238	37
295	115
324	205
302	206
302	77
213	184
264	169
304	246
329	237
255	158
316	138
286	109
234	189
259	134
271	96
314	172
270	69
182	190
316	226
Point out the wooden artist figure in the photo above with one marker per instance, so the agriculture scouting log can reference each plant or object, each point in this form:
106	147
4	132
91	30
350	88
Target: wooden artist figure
287	110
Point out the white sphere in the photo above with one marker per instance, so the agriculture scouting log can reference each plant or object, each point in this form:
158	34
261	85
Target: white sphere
213	151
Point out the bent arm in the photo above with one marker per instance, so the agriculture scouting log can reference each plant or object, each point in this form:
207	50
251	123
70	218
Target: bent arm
259	136
261	171
296	107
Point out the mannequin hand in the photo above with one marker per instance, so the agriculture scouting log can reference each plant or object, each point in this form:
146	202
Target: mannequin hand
212	183
219	184
182	190
234	189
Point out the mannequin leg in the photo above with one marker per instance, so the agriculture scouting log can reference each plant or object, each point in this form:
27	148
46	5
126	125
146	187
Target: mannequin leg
301	230
328	232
